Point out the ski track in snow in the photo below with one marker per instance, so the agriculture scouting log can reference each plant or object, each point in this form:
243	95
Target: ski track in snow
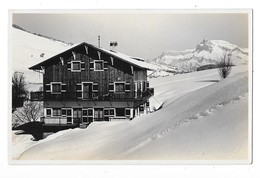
186	121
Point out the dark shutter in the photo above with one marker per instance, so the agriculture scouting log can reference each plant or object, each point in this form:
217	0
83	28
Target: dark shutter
111	87
91	65
69	65
95	87
63	87
105	65
82	66
127	87
48	87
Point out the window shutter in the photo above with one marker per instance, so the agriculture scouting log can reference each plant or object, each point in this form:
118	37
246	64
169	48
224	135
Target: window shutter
95	87
63	87
79	90
111	87
48	87
91	65
127	87
69	66
79	87
105	65
82	65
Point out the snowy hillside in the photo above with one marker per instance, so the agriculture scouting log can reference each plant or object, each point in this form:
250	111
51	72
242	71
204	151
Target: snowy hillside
202	118
206	52
28	49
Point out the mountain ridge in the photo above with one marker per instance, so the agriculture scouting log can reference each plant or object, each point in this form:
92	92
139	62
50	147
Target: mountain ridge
206	52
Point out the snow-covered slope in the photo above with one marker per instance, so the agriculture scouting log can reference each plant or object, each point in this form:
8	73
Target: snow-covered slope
28	49
202	118
206	52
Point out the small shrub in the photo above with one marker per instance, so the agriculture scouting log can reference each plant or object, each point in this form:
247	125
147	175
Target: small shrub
225	66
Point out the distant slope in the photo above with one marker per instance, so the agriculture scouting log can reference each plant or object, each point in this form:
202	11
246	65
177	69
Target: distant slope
206	52
28	49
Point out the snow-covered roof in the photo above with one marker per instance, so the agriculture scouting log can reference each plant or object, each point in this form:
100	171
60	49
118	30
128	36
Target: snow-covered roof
129	59
124	57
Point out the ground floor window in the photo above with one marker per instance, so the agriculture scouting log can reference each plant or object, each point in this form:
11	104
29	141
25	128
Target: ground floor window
120	111
56	111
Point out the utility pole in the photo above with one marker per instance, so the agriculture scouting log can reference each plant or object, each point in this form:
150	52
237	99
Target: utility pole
98	41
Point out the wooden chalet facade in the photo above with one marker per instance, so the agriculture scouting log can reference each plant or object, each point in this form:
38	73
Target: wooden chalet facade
86	83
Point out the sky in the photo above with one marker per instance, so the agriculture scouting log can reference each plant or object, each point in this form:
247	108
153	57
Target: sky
144	34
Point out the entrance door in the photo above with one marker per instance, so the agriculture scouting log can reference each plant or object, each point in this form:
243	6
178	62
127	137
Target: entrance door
77	115
98	114
87	90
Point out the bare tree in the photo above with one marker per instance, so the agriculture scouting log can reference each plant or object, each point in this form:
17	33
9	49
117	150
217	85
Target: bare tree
19	91
225	66
30	112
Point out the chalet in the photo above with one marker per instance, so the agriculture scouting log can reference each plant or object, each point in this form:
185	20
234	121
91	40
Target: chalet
87	83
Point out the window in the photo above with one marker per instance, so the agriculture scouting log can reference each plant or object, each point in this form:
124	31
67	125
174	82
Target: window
48	112
119	87
63	111
85	112
56	88
68	112
90	112
127	112
56	111
76	66
112	112
120	111
106	112
99	65
69	120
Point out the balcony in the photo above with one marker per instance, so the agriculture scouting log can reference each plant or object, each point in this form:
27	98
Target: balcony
70	96
36	96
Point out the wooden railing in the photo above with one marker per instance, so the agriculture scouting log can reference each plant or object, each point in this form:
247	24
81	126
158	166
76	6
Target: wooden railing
41	96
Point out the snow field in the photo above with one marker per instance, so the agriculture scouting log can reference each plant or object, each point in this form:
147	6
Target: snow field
173	132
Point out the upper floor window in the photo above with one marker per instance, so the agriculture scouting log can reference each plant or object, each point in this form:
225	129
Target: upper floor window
99	65
76	66
120	87
56	87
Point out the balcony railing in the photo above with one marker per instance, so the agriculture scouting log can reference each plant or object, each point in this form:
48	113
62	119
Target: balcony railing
40	96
